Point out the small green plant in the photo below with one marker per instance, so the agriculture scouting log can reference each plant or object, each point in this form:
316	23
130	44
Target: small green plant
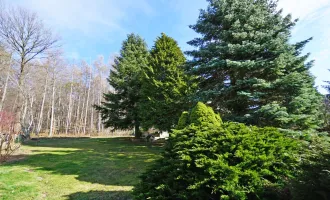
208	159
200	115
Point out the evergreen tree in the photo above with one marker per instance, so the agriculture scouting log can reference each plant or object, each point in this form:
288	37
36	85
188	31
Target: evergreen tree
326	110
247	67
120	107
165	85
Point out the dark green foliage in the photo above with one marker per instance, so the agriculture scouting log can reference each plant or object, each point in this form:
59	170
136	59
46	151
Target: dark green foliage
314	180
120	107
326	108
233	161
165	85
326	113
305	136
247	68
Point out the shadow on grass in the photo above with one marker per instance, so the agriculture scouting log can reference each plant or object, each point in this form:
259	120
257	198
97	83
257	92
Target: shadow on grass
107	161
100	195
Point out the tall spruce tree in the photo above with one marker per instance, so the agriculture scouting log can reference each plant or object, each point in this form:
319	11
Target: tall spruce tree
247	67
120	107
165	85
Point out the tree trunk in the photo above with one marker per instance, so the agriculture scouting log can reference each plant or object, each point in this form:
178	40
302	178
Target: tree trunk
99	119
81	122
18	109
92	117
137	131
77	116
31	111
4	92
48	117
14	104
59	111
68	119
52	108
24	112
86	106
42	106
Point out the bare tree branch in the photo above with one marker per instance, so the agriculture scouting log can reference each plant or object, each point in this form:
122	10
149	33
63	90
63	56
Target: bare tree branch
24	34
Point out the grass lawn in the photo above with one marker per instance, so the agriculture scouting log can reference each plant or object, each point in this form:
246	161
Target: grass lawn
76	168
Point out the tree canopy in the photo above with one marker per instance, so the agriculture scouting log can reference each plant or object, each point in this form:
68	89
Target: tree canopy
247	68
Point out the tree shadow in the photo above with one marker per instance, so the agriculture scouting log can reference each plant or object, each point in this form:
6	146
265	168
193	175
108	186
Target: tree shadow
107	161
13	158
100	195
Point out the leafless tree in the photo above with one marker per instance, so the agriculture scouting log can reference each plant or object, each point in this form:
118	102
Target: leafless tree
43	101
5	64
63	107
24	34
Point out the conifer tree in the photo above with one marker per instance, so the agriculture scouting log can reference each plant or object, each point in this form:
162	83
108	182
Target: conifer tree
165	85
247	67
120	107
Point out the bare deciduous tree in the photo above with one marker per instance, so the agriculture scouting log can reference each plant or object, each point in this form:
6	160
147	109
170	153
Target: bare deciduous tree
42	102
63	107
24	34
68	119
5	64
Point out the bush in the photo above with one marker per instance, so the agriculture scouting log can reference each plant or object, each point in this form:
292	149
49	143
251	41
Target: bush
209	161
6	121
8	144
313	182
202	115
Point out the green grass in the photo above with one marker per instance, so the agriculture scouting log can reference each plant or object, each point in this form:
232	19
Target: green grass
76	168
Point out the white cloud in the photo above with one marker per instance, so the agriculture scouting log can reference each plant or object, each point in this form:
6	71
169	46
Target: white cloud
314	21
303	9
103	20
89	17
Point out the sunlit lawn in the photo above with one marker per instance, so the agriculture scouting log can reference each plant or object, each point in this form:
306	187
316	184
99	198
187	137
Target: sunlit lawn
79	168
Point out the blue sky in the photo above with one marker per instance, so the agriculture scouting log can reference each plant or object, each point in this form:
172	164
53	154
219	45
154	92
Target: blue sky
89	28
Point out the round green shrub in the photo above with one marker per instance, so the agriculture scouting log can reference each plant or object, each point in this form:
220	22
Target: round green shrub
200	115
231	161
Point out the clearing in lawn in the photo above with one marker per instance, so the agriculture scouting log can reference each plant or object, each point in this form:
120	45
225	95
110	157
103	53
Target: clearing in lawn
76	168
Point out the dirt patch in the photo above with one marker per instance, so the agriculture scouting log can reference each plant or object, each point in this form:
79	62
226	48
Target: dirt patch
18	155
